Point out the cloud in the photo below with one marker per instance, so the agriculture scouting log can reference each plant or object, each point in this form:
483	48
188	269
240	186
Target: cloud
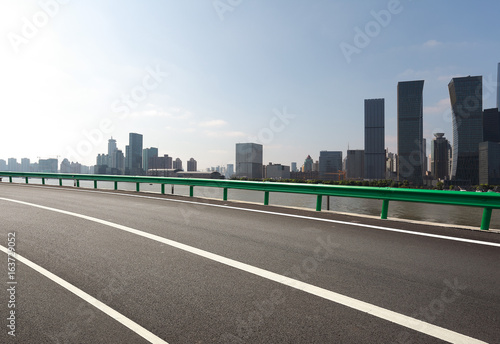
441	107
432	43
213	123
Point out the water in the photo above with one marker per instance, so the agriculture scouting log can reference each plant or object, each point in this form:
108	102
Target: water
468	216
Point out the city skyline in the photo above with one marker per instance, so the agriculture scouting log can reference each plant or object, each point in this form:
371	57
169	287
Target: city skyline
195	81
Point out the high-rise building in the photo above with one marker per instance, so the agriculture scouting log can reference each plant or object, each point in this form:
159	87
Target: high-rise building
355	164
489	163
146	154
48	165
13	166
424	155
374	165
293	167
119	159
466	96
177	164
229	170
160	163
316	166
111	146
439	156
491	125
25	165
127	160
3	165
308	164
192	165
249	157
65	166
391	166
330	165
102	160
277	171
111	152
134	155
410	131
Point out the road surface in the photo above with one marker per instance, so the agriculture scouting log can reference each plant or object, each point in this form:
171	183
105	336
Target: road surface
122	267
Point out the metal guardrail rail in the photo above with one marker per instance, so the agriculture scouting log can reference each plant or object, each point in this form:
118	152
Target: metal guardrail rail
486	200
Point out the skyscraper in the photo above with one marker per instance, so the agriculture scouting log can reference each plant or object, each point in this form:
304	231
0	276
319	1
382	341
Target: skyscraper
134	155
25	165
229	170
489	163
355	164
330	164
466	97
308	164
13	165
146	154
111	152
111	146
249	160
374	166
439	156
491	125
410	131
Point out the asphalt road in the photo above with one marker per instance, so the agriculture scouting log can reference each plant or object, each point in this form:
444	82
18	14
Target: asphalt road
118	267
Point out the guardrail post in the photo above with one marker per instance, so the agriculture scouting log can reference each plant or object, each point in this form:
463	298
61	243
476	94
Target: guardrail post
26	180
43	181
385	209
116	185
266	197
224	196
172	189
60	181
191	190
78	183
485	222
137	187
319	202
95	184
10	179
162	189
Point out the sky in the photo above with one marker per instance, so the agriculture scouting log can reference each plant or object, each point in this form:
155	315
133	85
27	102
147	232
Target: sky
195	77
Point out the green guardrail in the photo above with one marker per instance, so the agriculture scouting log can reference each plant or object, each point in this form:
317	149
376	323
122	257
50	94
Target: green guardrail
486	200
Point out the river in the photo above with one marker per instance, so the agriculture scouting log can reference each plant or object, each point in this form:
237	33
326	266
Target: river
468	216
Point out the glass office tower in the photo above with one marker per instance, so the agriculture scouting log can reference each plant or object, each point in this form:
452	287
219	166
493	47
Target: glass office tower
466	97
374	166
410	132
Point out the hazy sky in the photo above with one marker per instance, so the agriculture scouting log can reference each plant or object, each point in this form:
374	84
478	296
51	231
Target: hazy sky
197	76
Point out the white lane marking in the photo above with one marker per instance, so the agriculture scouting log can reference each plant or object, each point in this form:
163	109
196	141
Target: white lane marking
141	331
397	318
387	229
